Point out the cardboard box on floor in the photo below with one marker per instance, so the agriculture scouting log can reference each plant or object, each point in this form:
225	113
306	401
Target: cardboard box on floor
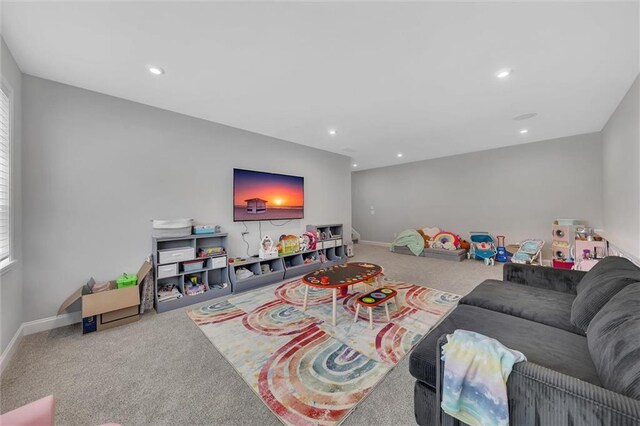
108	309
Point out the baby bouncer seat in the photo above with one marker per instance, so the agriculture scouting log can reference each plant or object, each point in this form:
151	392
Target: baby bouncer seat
530	252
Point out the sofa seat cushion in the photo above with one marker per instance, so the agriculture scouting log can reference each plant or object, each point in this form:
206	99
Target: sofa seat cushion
536	304
599	285
544	345
614	341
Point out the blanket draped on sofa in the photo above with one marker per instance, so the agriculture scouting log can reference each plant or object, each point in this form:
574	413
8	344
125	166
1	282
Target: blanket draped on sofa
476	369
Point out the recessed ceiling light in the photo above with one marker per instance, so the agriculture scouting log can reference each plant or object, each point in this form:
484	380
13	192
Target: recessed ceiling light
333	132
504	73
155	70
525	116
355	164
524	131
399	155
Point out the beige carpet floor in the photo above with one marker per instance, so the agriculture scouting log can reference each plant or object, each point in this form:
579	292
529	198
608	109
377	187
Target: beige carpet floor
163	370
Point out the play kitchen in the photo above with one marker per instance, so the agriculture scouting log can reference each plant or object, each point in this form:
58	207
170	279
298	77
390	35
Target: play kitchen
576	245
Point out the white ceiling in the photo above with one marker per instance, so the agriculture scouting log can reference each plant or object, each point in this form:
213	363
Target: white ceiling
416	78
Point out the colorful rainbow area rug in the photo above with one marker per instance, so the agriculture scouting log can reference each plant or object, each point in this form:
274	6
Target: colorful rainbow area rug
303	368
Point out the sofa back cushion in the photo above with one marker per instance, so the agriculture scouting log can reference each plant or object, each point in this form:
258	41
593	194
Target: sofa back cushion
599	285
613	338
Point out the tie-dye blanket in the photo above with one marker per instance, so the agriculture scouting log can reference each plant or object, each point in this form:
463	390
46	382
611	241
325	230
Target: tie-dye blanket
476	369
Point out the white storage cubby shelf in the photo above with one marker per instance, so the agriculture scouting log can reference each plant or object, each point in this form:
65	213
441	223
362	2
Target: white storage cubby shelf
170	256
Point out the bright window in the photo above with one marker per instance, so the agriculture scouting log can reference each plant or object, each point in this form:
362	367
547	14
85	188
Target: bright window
5	175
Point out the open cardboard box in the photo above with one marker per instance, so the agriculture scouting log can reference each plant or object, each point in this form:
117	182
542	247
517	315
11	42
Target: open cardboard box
108	309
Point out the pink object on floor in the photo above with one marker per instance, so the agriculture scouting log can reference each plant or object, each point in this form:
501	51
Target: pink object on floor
37	413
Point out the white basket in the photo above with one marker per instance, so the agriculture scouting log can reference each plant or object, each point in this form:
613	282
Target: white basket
171	228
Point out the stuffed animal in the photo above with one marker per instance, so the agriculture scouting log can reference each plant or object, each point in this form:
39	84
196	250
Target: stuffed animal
430	232
464	244
447	245
445	237
425	237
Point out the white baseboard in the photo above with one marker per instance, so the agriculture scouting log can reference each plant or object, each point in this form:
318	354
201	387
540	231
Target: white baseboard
616	251
32	327
11	348
375	243
50	323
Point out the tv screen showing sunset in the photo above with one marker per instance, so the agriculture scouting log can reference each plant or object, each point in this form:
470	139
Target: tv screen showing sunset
266	196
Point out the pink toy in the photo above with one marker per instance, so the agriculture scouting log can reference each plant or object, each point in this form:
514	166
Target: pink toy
38	413
312	239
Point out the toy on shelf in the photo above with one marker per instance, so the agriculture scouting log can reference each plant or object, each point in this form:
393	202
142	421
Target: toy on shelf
204	229
289	244
302	243
211	251
193	286
482	247
501	251
309	259
311	240
268	250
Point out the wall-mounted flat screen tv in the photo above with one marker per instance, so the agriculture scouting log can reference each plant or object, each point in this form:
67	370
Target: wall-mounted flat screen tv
266	196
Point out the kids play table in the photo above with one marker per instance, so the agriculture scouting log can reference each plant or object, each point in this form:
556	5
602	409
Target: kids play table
339	277
376	298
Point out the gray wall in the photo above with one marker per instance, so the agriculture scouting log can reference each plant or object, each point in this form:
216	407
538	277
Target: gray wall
516	191
99	168
621	185
11	280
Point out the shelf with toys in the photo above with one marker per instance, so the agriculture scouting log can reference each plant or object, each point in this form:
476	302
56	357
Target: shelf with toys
290	256
189	269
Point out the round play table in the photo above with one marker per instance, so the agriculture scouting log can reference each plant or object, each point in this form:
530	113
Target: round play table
339	277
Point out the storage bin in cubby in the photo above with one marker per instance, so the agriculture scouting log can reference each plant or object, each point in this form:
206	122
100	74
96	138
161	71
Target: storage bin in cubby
169	270
177	254
194	265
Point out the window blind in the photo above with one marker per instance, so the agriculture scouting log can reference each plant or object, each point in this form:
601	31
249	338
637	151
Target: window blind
5	173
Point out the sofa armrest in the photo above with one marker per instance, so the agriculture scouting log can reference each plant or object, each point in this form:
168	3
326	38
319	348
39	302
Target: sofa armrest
539	395
536	392
564	280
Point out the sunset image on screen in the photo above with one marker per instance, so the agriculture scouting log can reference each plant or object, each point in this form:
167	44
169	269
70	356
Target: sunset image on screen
266	196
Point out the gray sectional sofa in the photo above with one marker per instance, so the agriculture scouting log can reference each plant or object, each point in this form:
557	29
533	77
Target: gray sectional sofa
579	331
